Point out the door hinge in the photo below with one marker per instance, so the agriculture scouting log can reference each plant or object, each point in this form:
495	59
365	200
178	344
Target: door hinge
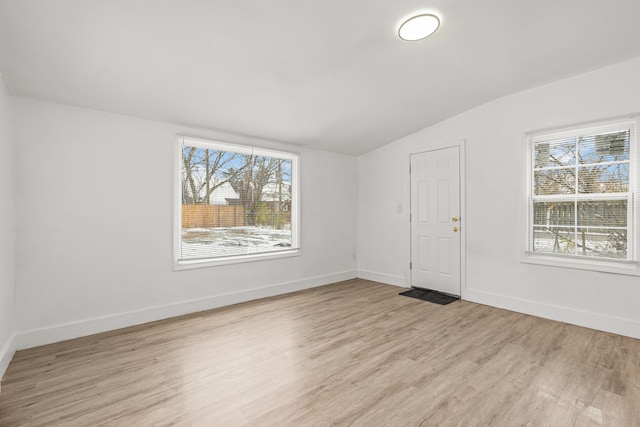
410	266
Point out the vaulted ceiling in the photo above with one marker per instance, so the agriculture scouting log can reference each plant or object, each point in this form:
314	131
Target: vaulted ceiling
330	74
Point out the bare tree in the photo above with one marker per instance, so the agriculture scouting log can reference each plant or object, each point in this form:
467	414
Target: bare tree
257	173
206	170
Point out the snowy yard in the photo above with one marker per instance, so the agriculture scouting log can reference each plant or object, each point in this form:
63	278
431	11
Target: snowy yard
598	244
226	241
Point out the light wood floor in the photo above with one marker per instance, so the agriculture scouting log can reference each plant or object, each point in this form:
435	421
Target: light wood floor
353	353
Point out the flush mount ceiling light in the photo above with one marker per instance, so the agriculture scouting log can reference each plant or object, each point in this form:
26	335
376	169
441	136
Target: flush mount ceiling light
418	27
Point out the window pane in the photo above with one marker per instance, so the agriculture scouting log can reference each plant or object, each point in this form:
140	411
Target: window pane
561	152
234	203
602	213
581	191
554	240
554	213
602	242
554	181
608	147
604	178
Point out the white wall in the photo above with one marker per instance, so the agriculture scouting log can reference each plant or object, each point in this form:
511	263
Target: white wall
7	233
496	188
94	202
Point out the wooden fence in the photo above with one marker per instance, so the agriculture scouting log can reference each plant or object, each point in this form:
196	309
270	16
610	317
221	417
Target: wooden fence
203	216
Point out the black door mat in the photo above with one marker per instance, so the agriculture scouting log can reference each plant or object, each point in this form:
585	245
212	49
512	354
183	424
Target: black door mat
429	295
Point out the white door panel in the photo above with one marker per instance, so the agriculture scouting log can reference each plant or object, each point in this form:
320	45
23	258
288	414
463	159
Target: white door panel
435	202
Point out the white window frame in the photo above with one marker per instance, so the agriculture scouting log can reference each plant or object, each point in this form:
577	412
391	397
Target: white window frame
630	266
184	264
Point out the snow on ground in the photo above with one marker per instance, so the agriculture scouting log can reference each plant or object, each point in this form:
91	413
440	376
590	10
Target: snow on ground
598	245
225	241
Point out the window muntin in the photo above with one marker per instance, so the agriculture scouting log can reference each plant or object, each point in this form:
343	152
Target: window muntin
234	203
581	193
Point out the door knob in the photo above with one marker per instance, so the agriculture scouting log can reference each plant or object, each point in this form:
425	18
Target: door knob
455	229
454	219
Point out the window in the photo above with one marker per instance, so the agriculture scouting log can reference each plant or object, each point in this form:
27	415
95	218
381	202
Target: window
581	193
234	204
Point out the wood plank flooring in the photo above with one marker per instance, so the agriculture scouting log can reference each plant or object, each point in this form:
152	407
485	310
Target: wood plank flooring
352	353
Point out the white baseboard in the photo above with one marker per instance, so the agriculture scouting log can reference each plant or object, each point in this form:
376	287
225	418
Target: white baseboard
383	278
6	354
62	332
588	319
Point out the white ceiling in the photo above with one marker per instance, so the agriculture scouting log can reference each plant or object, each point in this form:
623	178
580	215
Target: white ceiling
330	74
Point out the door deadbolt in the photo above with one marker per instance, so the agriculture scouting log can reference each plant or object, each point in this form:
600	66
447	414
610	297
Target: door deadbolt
454	219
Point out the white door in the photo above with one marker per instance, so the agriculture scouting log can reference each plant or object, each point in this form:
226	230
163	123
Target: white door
435	220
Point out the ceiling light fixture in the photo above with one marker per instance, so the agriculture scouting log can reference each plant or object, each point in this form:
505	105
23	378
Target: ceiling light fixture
418	27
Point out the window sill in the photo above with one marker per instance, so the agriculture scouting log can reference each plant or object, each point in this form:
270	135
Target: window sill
605	266
179	265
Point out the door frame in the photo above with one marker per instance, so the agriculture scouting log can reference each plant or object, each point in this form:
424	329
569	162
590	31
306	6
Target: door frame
461	144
